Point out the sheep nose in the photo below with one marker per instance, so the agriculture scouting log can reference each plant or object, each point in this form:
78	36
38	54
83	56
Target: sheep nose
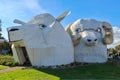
89	40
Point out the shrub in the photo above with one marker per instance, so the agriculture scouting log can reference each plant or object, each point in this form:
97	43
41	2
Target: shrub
7	60
15	64
3	62
8	63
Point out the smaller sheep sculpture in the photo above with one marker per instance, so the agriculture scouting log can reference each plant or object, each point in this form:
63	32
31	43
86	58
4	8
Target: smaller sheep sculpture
90	39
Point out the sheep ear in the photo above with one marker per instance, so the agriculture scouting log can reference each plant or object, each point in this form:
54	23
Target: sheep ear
108	38
19	22
62	16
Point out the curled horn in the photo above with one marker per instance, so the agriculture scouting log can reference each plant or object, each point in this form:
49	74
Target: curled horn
108	38
67	29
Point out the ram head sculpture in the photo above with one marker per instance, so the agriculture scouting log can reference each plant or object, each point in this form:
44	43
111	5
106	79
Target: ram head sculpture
90	39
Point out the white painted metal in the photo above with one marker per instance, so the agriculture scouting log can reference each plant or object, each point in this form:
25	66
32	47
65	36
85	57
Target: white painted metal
89	35
15	53
47	46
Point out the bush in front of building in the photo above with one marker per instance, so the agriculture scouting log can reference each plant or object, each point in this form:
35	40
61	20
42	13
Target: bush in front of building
7	60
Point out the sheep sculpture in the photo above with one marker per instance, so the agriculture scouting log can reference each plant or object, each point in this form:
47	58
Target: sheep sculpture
90	38
42	41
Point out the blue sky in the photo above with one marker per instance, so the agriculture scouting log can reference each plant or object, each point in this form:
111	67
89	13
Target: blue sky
104	10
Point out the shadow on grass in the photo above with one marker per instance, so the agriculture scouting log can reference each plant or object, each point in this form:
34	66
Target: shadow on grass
92	71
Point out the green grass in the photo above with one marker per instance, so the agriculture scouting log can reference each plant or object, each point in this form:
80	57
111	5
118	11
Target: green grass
2	67
27	74
93	71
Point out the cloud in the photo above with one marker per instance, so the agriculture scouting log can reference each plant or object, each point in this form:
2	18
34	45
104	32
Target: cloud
20	9
116	33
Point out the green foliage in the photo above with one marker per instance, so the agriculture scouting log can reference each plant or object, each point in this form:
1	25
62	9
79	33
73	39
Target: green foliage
6	46
7	60
111	49
2	62
114	53
8	63
117	47
6	57
15	64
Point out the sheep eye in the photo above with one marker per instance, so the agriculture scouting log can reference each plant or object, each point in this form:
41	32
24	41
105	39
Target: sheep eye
78	30
42	26
98	30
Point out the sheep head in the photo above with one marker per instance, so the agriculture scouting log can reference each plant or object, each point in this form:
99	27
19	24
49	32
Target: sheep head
42	22
91	31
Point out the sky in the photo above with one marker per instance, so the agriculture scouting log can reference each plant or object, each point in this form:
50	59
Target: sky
103	10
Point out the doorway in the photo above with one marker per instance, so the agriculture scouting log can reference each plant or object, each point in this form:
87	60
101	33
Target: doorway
27	60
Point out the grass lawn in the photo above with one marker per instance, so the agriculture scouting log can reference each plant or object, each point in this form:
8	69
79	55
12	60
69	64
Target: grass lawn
93	71
27	74
2	67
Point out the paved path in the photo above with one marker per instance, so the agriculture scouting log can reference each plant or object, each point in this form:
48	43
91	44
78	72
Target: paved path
9	69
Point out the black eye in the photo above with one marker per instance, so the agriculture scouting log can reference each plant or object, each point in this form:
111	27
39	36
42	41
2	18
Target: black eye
98	30
42	26
78	30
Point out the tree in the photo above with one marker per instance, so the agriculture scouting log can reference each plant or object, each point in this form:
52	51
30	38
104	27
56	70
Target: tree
117	47
111	49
